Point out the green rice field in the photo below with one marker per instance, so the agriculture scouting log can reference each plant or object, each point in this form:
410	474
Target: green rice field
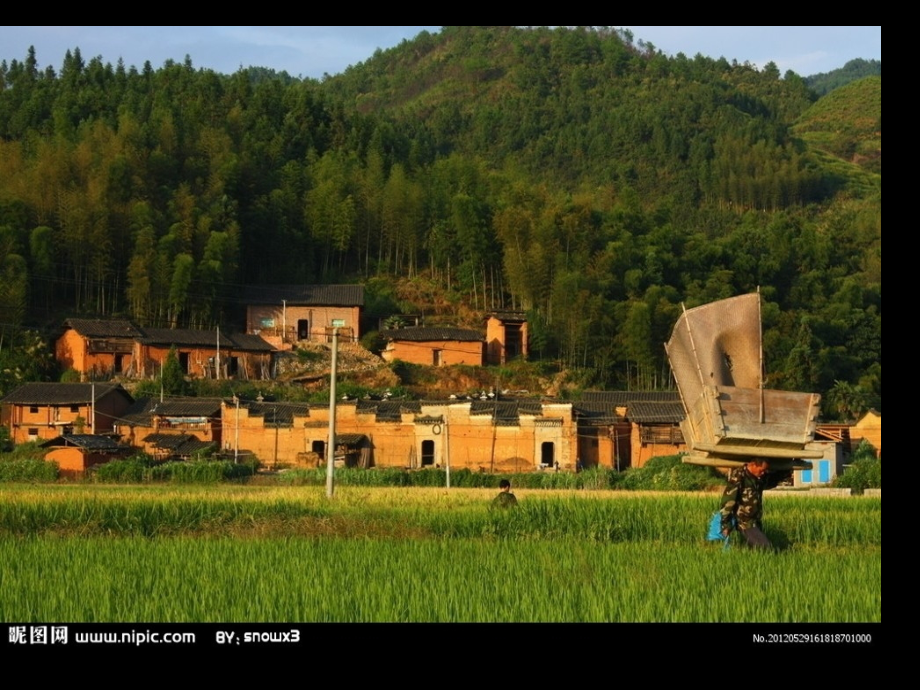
75	553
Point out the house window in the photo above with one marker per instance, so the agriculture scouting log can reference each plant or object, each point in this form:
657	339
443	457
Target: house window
33	434
74	408
338	323
33	409
267	323
437	357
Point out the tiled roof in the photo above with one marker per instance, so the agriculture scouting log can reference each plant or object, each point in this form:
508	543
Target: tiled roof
388	410
277	413
120	328
622	398
142	412
184	336
349	439
655	412
509	316
251	343
426	334
62	393
138	414
305	295
187	407
182	445
506	412
86	442
103	328
167	441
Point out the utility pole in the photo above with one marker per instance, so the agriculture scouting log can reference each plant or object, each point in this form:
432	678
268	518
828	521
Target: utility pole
236	444
447	445
330	446
217	360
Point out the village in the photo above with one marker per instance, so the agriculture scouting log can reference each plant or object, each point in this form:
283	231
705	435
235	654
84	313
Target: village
86	423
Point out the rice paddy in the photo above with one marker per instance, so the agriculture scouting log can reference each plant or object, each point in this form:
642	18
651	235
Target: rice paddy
179	554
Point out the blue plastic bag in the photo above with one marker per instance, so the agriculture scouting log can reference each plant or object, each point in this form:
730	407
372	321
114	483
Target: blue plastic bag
715	528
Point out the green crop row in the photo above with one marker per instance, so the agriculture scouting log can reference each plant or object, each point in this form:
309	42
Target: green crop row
791	521
428	580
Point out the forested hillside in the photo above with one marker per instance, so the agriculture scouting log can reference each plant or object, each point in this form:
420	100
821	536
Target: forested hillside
569	172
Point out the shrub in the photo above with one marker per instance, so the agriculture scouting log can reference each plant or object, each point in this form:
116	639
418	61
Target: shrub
28	470
128	471
864	472
70	376
668	473
142	468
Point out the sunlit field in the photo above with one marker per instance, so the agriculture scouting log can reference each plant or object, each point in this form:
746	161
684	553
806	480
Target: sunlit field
270	554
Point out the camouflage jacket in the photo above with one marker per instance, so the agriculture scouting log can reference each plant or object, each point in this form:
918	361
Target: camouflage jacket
743	498
505	499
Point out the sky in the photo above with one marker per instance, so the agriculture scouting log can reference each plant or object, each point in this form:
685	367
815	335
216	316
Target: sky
313	51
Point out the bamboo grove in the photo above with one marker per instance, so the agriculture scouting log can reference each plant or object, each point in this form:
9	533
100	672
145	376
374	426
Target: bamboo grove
573	173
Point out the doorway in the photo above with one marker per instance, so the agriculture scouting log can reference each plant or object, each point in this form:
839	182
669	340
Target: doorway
547	454
427	453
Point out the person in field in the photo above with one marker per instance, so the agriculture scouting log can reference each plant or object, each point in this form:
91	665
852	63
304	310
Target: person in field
505	498
742	503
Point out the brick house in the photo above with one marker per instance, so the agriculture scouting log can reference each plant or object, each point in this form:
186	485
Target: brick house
42	411
506	337
623	429
435	346
240	355
76	453
494	436
175	427
286	314
99	348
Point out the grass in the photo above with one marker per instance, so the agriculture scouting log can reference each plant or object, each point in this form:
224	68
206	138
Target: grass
260	554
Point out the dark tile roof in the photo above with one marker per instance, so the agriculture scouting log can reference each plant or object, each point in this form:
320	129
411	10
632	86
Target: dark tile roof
655	412
142	412
138	414
181	445
184	336
167	441
92	442
595	413
250	343
349	439
623	398
187	407
277	413
509	316
62	393
388	410
120	328
103	328
305	295
426	334
506	412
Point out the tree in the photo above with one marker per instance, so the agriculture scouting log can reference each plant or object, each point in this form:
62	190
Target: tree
171	375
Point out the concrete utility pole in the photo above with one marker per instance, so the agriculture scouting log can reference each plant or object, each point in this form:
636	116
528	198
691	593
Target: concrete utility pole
447	445
236	444
330	447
